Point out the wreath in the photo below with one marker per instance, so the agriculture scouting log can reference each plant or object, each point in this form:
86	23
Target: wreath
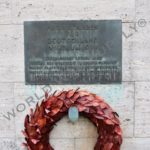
40	122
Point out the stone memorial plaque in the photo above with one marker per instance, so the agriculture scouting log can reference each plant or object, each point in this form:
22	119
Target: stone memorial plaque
73	52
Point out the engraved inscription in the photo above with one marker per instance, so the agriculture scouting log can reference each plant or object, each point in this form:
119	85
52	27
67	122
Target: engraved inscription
73	52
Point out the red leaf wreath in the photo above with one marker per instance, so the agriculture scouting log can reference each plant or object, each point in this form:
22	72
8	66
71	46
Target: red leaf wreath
40	123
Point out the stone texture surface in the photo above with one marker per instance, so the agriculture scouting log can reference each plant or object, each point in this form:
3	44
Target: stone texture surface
11	53
7	126
82	129
142	111
142	9
71	9
5	11
131	99
136	144
63	144
81	143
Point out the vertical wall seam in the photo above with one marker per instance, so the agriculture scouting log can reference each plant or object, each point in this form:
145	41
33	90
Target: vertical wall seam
134	109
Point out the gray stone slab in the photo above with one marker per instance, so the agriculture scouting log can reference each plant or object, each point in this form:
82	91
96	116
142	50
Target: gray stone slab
73	52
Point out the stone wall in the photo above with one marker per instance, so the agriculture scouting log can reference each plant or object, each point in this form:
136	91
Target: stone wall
131	99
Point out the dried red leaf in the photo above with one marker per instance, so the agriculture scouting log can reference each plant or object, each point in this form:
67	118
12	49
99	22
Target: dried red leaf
46	95
118	130
83	93
54	111
70	93
108	146
41	122
34	141
109	122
